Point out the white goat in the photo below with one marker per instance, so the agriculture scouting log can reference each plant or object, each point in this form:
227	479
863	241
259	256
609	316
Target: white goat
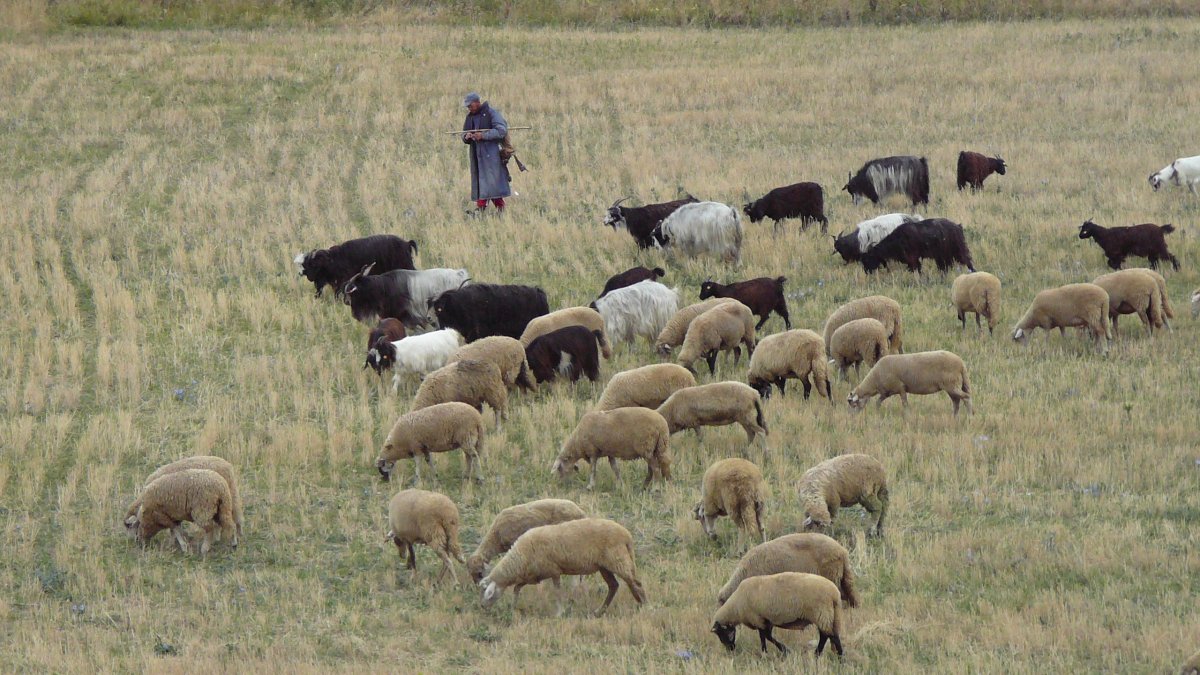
1183	171
703	227
421	354
641	309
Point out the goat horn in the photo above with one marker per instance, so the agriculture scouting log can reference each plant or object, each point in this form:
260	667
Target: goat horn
618	202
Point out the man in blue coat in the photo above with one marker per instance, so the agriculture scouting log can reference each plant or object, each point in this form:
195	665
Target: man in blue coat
489	175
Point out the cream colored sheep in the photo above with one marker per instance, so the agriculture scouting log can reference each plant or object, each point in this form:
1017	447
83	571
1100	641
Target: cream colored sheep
571	316
809	552
1133	291
919	373
880	307
845	480
645	387
444	427
200	496
674	333
514	521
723	328
792	600
471	382
716	404
423	517
1167	311
209	462
573	548
798	354
1191	666
1083	305
857	341
507	353
977	293
735	488
624	433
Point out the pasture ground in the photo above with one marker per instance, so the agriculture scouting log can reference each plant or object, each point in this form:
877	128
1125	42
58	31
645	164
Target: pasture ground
157	185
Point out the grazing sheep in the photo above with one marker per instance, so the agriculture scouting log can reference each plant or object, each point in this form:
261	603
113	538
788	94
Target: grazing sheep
439	428
423	517
974	168
471	382
511	523
641	309
793	600
703	228
880	307
809	552
389	330
1133	291
918	373
716	404
795	354
574	548
1183	171
735	488
762	295
723	328
210	462
1146	240
1191	666
569	351
857	341
852	245
630	277
645	387
1069	306
977	292
674	333
624	433
845	480
571	316
417	354
507	353
200	496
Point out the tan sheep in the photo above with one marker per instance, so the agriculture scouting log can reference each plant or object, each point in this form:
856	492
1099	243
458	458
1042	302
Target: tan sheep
977	293
1082	305
723	328
423	517
674	333
573	548
716	404
1191	666
507	353
880	307
514	521
919	373
444	427
809	552
199	496
1133	291
624	433
792	600
845	480
645	387
1167	311
571	316
857	341
210	462
735	488
798	354
471	382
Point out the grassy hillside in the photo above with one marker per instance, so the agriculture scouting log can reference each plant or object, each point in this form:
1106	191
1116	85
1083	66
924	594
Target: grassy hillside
157	186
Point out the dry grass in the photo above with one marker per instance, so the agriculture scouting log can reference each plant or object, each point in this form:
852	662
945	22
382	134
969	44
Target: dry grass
157	186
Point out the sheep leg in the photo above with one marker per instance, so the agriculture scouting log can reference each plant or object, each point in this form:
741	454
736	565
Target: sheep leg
765	636
612	461
1114	322
711	359
978	323
807	388
417	468
591	474
180	538
612	589
412	557
962	318
737	354
447	566
904	398
782	384
649	474
874	506
837	644
429	462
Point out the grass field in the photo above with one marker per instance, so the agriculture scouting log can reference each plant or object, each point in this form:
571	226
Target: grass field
157	185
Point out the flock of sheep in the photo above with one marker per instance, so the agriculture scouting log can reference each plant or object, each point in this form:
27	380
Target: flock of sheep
480	355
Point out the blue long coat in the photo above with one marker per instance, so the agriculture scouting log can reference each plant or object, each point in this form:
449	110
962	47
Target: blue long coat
489	176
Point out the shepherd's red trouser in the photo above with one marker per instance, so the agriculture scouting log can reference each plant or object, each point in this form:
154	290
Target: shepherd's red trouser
482	203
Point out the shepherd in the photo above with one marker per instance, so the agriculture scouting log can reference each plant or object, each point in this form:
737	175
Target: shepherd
489	173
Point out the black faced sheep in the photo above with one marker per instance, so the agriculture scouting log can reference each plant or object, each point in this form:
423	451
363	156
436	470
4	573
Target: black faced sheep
335	265
762	295
1146	240
805	201
974	168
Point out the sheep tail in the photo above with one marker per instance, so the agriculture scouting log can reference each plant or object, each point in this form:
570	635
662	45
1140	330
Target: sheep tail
849	596
1154	309
758	412
878	351
452	546
966	382
662	454
225	518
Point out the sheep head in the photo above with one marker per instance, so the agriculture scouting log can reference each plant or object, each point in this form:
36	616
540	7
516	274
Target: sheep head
490	592
385	466
726	633
856	402
1020	335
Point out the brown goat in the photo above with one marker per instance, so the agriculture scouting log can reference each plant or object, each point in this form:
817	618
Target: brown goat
762	295
974	168
1146	241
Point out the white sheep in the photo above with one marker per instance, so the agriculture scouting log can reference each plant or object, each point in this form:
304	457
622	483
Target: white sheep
880	307
919	373
507	353
573	548
810	552
511	523
979	293
1133	291
211	462
1183	171
703	228
571	316
858	341
417	354
725	327
439	428
646	387
845	480
638	310
471	382
716	404
733	487
673	334
199	496
793	354
624	433
1069	306
793	600
423	517
875	230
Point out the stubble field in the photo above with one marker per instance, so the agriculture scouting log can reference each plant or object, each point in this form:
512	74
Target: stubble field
157	185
